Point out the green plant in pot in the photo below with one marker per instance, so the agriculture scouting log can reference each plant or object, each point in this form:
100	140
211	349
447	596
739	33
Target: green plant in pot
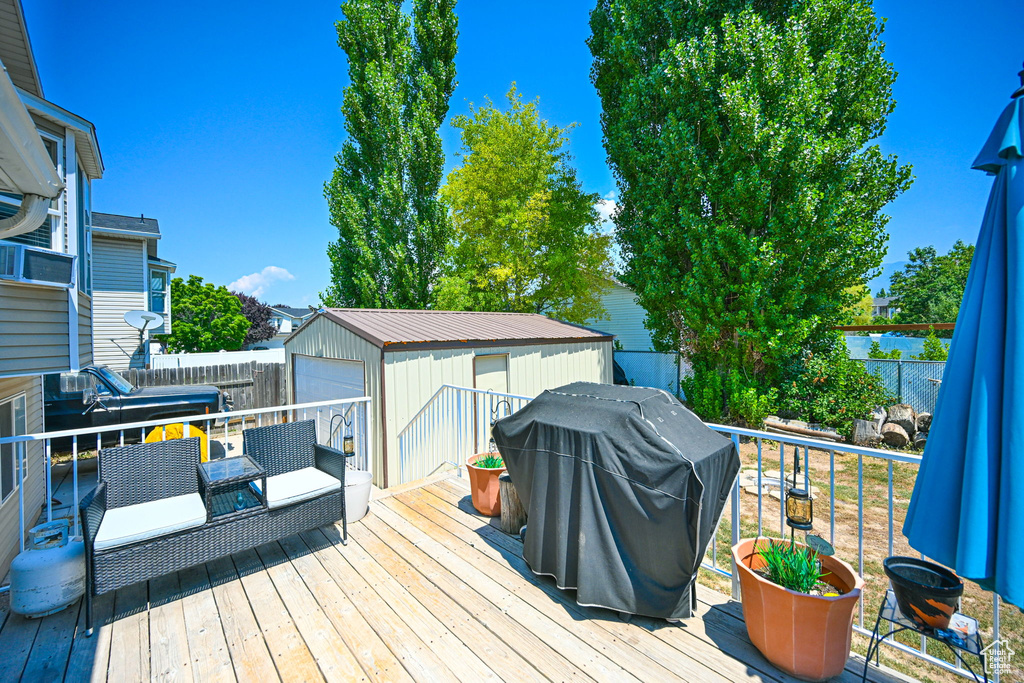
798	604
484	470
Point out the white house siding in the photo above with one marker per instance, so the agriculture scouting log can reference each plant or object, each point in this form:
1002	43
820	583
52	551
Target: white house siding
119	286
411	378
325	339
84	329
624	318
34	482
33	329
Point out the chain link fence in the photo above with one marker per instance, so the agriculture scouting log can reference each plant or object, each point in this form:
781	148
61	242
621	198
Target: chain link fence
914	382
652	369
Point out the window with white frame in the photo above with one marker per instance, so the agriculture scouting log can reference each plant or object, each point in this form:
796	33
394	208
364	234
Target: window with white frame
158	292
12	423
49	234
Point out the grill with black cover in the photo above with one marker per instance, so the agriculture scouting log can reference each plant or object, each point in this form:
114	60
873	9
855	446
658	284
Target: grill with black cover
624	488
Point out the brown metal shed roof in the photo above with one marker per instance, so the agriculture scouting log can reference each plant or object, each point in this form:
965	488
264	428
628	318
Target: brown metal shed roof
399	330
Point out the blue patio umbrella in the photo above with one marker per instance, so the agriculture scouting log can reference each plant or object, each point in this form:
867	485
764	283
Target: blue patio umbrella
967	509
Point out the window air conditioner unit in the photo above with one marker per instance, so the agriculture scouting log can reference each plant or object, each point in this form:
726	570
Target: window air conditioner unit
36	266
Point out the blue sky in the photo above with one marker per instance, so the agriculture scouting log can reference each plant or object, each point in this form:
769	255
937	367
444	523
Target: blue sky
221	119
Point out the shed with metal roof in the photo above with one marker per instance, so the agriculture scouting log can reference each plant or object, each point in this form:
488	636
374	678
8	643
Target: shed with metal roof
401	358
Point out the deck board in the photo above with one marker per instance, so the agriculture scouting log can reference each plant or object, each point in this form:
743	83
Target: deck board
425	590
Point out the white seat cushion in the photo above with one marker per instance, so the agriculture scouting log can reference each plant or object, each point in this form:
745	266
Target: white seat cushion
295	487
133	523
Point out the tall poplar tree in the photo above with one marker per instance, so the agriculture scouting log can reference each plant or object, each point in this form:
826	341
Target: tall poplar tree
393	229
750	192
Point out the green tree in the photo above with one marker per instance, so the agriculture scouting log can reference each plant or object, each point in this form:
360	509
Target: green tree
383	197
750	194
859	312
881	293
204	317
527	237
931	287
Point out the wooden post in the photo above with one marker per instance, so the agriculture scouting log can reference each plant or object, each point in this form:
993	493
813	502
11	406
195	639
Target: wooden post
513	516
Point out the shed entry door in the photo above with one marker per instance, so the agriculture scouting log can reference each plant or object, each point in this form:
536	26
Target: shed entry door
327	379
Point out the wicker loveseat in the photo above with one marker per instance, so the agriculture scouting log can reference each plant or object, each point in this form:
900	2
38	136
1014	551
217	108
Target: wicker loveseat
148	515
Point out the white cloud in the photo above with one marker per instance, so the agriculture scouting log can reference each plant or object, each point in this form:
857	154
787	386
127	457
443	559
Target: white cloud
610	195
606	207
257	284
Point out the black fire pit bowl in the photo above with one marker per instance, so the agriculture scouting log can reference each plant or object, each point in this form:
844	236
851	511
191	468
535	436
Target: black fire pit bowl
927	593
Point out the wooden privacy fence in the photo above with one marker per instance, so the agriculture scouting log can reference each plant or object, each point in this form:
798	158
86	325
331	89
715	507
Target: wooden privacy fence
251	385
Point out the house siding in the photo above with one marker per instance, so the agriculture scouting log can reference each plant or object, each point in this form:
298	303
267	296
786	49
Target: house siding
119	285
34	476
33	329
84	329
411	378
624	318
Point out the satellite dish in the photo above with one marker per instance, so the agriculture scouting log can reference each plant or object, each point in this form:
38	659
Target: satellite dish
143	320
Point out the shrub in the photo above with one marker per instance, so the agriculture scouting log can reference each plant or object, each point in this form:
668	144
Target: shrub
704	394
876	352
934	348
747	402
831	388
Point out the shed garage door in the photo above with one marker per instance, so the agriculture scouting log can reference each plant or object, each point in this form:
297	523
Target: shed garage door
327	379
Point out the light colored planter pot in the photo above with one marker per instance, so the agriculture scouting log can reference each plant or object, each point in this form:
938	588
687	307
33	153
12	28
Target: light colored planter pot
484	487
806	636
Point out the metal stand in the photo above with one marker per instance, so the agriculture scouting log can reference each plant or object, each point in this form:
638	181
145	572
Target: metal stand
961	638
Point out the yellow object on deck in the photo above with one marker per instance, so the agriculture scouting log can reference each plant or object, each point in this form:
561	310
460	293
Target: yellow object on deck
176	431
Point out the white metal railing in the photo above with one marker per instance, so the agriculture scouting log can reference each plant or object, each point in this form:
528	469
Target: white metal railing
455	424
335	419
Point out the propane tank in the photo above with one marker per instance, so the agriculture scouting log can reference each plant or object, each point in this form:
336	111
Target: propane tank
49	574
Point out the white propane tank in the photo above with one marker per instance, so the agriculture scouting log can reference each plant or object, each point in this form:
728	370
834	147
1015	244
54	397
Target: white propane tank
49	574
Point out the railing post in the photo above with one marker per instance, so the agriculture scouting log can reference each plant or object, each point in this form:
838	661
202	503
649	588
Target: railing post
735	510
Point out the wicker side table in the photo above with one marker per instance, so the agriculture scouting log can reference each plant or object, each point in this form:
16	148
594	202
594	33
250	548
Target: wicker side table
225	485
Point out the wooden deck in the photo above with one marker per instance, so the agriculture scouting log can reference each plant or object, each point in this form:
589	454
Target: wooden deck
425	590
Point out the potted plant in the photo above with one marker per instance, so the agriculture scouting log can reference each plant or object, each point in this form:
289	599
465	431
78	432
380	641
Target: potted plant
798	605
484	470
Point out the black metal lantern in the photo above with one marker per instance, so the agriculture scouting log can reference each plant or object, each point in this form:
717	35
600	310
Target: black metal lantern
799	509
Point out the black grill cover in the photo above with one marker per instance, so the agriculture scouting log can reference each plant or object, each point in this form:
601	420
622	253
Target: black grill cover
623	487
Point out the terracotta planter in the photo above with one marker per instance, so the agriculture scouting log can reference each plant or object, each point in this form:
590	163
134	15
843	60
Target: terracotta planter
483	484
806	636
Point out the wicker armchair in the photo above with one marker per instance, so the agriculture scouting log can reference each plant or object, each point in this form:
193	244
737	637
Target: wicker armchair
292	446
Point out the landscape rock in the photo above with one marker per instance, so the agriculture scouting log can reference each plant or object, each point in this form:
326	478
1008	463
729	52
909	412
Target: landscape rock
920	439
924	422
878	416
904	416
894	435
866	433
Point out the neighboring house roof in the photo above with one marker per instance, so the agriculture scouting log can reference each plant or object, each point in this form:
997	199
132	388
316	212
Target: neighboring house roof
126	225
397	330
881	301
292	312
162	262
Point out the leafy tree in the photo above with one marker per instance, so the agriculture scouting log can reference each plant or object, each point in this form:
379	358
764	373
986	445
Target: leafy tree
875	351
527	237
934	348
750	194
204	317
931	287
383	197
881	293
859	312
258	314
